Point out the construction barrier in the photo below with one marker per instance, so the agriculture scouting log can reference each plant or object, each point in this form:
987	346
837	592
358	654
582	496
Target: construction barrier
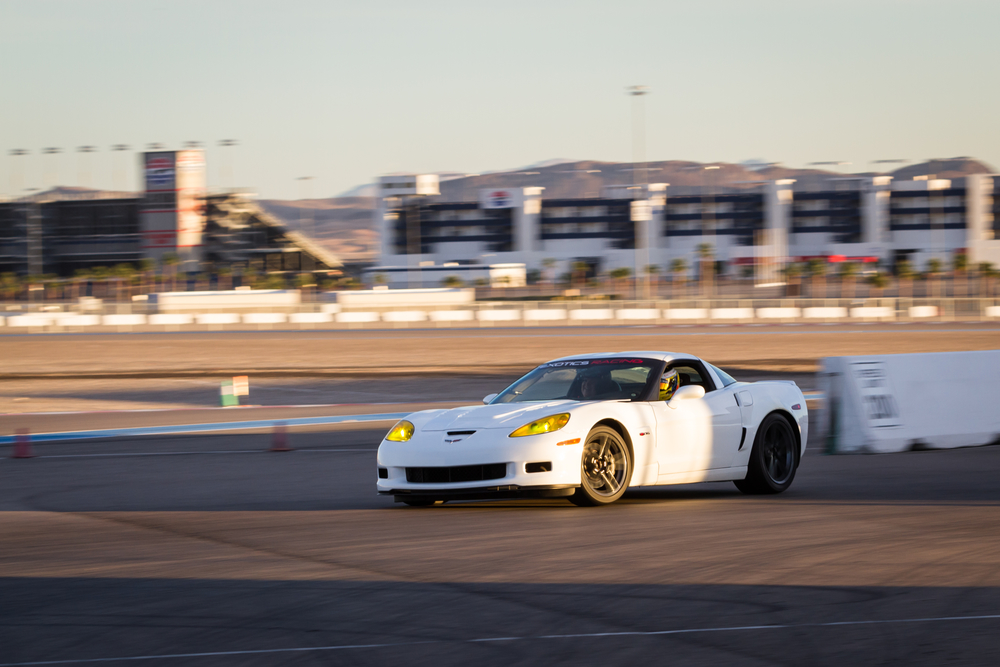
900	402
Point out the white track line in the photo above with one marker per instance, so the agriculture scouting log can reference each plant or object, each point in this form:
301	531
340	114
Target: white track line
582	635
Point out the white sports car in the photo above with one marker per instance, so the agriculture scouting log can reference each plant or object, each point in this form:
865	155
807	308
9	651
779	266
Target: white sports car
590	426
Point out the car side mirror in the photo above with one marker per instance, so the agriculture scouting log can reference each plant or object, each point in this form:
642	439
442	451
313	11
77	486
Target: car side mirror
686	393
488	398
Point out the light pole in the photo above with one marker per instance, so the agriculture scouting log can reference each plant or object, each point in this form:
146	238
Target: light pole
16	175
225	162
305	193
84	164
637	93
118	176
52	150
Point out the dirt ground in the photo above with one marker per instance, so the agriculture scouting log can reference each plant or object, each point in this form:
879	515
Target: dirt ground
51	373
458	352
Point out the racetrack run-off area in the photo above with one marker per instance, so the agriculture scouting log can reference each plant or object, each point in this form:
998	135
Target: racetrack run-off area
208	549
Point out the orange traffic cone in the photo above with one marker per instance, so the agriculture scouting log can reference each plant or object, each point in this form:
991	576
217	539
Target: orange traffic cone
22	445
279	439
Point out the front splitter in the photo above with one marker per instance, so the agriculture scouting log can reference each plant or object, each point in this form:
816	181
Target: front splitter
482	493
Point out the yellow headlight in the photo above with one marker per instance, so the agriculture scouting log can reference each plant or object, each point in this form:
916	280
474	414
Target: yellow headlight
546	425
401	432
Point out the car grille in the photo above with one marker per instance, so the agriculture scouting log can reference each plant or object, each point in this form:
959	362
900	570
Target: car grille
456	474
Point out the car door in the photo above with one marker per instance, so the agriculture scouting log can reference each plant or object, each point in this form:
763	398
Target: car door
697	434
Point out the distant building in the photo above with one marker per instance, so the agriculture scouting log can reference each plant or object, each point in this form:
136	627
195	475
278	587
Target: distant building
43	235
757	224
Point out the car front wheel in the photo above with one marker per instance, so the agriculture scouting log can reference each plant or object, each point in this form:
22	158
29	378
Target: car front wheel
774	458
606	468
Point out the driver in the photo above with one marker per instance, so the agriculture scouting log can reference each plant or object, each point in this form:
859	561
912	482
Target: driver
590	386
668	384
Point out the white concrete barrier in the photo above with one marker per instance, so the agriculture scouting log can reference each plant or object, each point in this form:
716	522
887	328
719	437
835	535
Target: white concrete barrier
731	313
217	318
123	320
499	315
544	315
330	308
686	313
357	317
637	314
452	315
222	299
923	311
171	319
264	318
992	311
885	403
824	313
779	313
75	320
873	313
591	314
404	316
310	318
30	320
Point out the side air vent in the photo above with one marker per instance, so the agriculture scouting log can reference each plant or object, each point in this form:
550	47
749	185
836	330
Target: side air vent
538	466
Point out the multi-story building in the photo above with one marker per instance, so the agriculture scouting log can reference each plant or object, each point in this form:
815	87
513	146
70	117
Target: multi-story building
764	224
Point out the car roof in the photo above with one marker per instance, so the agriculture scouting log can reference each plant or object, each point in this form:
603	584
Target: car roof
644	354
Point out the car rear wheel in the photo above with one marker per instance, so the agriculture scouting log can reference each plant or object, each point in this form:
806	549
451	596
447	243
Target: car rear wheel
606	468
774	458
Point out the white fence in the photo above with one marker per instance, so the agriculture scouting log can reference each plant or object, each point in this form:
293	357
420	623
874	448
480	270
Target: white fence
532	313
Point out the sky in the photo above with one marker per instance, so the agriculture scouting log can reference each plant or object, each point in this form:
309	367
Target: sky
343	92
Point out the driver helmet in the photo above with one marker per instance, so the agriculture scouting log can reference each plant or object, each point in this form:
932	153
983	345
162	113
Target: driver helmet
669	382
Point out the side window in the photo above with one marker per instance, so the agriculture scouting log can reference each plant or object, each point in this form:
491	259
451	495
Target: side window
690	372
726	378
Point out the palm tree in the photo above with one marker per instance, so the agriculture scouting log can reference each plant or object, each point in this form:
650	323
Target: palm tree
934	266
653	271
879	281
580	273
706	266
792	273
122	273
905	274
100	274
224	272
678	268
9	285
452	281
146	269
848	273
985	274
959	267
548	263
619	274
816	268
170	261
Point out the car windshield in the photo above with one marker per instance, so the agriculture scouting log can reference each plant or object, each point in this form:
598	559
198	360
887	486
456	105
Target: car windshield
582	380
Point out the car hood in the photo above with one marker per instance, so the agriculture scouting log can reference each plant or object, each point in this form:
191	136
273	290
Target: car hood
503	415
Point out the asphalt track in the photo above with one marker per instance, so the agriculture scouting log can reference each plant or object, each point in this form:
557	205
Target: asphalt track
207	549
210	550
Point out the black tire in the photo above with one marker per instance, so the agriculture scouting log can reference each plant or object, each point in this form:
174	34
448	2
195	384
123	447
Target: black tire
774	458
605	468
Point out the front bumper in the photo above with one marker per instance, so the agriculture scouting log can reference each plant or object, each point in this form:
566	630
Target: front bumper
487	448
